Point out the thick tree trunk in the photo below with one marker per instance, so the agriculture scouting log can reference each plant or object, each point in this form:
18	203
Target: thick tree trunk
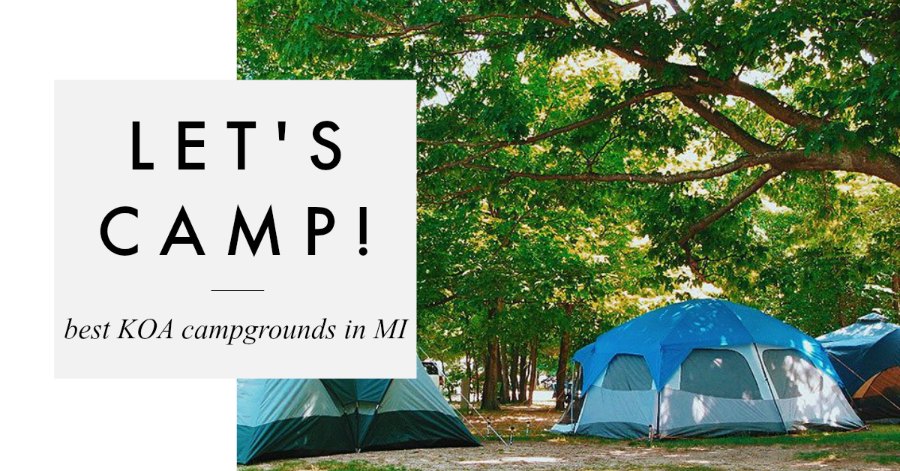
489	394
561	371
532	376
491	369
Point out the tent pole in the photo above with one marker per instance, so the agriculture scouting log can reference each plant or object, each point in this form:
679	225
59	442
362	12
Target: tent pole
488	422
658	407
572	393
659	388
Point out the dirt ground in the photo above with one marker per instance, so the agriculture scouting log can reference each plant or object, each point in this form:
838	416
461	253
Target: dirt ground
551	455
535	449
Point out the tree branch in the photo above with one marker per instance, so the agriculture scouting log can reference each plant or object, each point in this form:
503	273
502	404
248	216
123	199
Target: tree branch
704	223
675	6
584	15
652	178
782	160
440	302
741	137
492	146
864	159
611	13
772	105
736	200
605	9
403	30
632	5
767	102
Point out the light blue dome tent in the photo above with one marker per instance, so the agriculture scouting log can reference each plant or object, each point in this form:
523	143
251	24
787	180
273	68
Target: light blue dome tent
724	369
285	418
866	355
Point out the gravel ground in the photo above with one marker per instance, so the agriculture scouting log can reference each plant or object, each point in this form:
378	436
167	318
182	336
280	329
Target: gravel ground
562	454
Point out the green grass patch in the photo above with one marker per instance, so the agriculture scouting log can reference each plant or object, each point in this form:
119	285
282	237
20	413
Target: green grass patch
544	436
818	455
879	438
883	459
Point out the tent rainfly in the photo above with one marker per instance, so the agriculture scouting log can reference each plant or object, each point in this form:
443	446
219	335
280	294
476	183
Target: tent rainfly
866	355
705	368
286	418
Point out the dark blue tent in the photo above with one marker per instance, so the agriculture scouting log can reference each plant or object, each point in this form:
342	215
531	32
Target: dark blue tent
705	367
286	418
866	355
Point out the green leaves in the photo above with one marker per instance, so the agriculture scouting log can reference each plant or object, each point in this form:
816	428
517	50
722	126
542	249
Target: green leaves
497	79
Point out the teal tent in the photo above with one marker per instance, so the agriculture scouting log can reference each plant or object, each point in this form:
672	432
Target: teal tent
705	367
866	355
285	418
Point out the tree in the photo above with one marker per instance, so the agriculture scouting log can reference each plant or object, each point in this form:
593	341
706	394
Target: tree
503	268
594	143
785	86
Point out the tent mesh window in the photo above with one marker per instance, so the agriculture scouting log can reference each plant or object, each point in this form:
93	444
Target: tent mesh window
791	374
719	373
627	373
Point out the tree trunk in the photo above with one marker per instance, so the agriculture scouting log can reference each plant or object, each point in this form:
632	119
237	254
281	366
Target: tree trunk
532	376
523	378
492	365
489	387
895	284
465	386
504	375
476	385
514	377
561	371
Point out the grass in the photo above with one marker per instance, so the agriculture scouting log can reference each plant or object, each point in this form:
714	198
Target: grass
881	438
883	459
879	445
819	455
878	438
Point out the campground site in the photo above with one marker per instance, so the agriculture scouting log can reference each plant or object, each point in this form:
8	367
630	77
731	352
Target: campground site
654	234
877	448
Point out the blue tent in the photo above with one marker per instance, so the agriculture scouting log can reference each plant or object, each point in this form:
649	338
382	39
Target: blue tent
866	355
285	418
706	367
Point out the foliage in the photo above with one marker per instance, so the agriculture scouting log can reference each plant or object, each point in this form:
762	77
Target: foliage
582	162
